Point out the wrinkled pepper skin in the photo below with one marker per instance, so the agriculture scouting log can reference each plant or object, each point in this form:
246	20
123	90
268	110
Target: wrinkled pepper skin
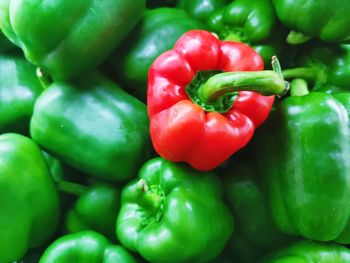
168	213
107	127
309	251
304	158
61	44
29	200
324	66
176	122
96	210
135	56
326	20
252	22
19	88
87	247
256	233
199	9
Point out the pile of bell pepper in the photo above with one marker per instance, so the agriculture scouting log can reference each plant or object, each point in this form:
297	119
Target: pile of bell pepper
175	131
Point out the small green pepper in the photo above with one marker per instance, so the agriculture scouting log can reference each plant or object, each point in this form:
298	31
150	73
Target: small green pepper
173	213
19	88
68	38
94	126
87	247
29	200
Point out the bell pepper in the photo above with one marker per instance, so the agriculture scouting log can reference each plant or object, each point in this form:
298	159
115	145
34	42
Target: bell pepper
323	66
87	247
19	88
172	213
256	233
252	22
134	57
326	20
29	200
209	120
304	158
310	251
95	209
199	9
68	38
107	127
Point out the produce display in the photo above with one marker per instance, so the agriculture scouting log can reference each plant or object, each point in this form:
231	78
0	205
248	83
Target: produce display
175	131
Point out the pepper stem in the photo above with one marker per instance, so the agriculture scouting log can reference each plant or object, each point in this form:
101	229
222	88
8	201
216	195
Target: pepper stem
267	82
311	74
299	87
148	199
71	188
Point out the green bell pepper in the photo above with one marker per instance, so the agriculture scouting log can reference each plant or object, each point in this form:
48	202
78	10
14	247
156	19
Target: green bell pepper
199	9
326	20
256	234
96	209
19	88
323	66
107	127
304	158
87	247
252	22
68	38
309	251
156	33
173	213
29	200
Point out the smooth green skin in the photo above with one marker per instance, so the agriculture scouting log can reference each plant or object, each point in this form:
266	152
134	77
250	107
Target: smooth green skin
252	22
87	247
134	57
96	209
94	126
309	251
68	38
303	155
29	200
326	20
256	234
201	9
179	218
19	88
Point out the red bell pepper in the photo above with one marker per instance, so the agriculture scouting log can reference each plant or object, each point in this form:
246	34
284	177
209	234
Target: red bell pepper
204	118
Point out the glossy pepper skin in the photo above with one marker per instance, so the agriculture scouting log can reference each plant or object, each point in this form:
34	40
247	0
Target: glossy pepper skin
87	247
180	129
107	127
29	199
304	158
68	38
168	213
323	66
19	88
96	209
326	20
134	57
309	251
256	233
252	22
199	9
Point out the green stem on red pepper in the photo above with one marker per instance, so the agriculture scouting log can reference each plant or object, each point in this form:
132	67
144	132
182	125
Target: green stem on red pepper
215	91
